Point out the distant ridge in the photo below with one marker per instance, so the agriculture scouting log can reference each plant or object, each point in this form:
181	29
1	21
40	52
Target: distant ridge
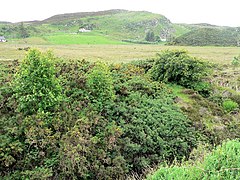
77	15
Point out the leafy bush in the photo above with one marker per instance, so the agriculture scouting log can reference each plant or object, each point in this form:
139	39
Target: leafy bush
36	87
100	85
222	163
204	88
178	67
89	150
236	61
229	105
154	129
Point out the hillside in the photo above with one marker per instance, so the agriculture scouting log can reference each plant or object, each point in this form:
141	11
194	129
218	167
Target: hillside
113	24
210	35
121	25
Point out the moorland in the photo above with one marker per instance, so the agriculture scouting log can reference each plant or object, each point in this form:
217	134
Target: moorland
119	95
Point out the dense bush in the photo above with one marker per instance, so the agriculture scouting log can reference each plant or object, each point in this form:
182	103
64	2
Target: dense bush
178	67
229	105
154	129
222	163
100	85
36	87
236	61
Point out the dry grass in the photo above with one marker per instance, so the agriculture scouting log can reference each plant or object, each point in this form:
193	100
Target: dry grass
118	53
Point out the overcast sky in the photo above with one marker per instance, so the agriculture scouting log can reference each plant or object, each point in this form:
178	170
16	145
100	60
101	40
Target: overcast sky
218	12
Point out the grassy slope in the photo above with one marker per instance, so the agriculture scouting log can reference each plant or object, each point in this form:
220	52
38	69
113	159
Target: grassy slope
82	38
116	24
202	36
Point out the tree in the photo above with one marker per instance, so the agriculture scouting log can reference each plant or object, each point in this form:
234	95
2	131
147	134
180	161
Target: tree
150	36
23	31
36	86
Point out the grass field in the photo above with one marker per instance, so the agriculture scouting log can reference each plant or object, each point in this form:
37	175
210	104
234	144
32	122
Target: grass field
117	53
82	38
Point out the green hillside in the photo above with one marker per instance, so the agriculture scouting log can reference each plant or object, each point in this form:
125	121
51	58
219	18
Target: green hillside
121	25
113	24
210	36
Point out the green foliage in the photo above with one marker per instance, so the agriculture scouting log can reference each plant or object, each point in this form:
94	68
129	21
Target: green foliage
89	151
177	173
204	88
100	85
222	163
149	120
98	122
178	67
229	105
23	31
36	87
144	64
150	36
236	61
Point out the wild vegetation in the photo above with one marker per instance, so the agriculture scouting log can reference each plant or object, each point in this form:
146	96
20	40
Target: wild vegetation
210	36
84	120
219	164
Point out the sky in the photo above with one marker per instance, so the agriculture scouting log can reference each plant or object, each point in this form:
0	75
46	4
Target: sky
217	12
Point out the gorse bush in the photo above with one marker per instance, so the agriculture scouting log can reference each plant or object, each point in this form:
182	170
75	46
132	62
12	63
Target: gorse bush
178	67
229	105
36	87
154	130
100	85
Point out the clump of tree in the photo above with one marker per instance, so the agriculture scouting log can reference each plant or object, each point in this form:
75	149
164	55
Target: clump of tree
23	31
180	68
150	37
36	87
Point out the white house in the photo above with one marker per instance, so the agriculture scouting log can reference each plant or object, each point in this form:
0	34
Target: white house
2	39
163	39
84	30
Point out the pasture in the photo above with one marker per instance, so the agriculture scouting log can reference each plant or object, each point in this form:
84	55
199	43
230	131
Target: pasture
113	53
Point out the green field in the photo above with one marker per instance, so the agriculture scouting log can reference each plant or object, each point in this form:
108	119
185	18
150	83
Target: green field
82	38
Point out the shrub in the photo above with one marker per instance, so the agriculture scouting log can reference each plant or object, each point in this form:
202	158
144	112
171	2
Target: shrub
89	150
229	105
154	129
203	88
100	85
178	67
236	61
222	163
36	87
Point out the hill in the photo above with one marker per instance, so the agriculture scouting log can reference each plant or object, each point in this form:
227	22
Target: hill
121	25
208	35
112	24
